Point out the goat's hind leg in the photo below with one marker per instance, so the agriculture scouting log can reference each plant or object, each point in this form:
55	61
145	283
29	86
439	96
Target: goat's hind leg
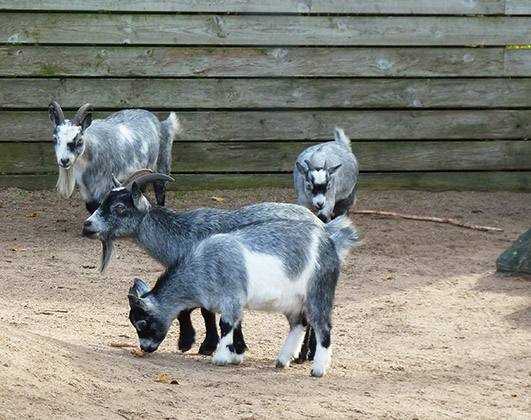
210	344
293	342
186	330
228	352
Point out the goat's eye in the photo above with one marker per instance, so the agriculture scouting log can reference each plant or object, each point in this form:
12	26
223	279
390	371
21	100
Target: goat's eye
119	208
79	141
309	187
54	139
141	325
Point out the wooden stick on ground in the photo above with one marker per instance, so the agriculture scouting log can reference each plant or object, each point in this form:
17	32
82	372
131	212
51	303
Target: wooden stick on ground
429	219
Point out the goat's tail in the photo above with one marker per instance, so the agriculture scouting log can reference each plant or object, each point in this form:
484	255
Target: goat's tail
341	137
343	234
172	125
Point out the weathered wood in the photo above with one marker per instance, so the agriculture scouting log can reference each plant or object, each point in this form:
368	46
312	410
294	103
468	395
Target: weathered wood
307	125
86	61
271	6
262	62
143	29
252	157
267	93
488	181
518	7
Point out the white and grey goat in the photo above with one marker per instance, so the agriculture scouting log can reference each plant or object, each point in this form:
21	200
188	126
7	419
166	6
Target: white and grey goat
290	267
325	177
167	235
91	152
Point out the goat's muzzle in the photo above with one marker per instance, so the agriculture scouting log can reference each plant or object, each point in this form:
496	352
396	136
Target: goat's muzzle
88	230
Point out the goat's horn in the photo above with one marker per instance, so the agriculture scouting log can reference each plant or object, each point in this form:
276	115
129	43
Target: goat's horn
146	179
310	166
58	111
80	114
134	176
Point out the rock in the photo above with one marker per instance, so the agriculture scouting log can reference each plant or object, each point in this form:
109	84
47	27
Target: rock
517	258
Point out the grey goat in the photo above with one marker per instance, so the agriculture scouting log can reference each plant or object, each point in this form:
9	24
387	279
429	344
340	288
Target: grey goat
167	235
291	267
325	177
91	152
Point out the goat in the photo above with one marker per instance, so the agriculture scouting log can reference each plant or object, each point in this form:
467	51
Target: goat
167	235
291	267
325	177
91	152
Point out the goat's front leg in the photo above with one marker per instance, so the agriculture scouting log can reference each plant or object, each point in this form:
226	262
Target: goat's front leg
292	345
211	341
227	352
186	330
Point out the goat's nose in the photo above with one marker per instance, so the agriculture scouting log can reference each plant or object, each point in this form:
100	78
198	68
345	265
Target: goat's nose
65	162
87	224
319	206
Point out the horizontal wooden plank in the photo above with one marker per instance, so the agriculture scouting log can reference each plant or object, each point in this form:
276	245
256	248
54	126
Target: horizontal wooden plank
86	61
143	29
270	6
308	125
489	181
268	93
518	7
198	157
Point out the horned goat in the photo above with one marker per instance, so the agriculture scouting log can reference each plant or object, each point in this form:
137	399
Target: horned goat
325	177
291	267
90	152
167	235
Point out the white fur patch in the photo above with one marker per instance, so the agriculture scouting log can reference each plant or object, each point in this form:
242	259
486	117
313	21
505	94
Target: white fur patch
270	289
223	355
321	360
291	347
65	134
319	177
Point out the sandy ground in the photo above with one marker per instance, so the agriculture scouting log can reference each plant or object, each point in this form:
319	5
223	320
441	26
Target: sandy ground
423	326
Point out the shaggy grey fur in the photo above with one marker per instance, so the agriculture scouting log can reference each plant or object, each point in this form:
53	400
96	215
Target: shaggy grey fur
325	177
91	152
220	273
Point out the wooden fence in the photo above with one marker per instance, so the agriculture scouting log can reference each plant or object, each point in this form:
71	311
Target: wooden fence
433	94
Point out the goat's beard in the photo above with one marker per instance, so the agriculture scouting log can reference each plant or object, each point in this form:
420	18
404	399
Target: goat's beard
107	252
66	181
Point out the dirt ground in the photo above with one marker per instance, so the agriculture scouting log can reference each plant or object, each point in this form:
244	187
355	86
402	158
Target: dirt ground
424	328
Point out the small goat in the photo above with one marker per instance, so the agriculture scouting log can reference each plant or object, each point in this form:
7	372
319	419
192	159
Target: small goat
167	235
91	152
325	177
289	267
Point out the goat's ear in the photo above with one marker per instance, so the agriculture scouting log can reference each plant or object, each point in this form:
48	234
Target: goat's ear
55	118
136	194
301	168
139	201
333	169
86	122
142	287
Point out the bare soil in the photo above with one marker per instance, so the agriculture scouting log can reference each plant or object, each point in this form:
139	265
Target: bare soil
424	328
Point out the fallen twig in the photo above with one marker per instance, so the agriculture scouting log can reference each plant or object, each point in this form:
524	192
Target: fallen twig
429	219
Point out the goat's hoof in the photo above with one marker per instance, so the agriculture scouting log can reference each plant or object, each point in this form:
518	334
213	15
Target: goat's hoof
207	348
317	373
280	365
185	345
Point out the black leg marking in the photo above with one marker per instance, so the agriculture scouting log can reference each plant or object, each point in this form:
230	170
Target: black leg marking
313	343
238	341
186	331
211	341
